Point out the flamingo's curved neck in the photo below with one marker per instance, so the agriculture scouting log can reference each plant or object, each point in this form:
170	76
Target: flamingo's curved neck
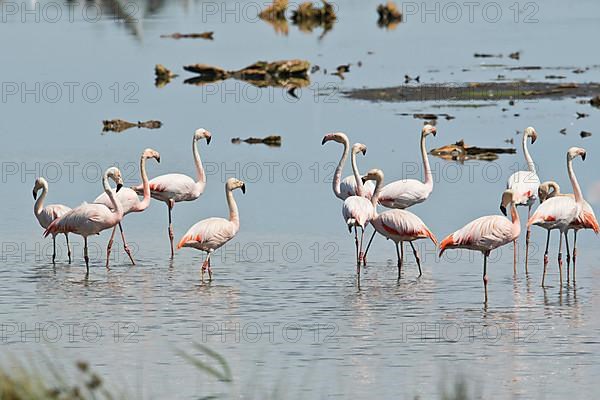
117	208
146	200
376	193
530	163
574	182
555	189
426	167
233	209
201	176
360	189
39	203
337	177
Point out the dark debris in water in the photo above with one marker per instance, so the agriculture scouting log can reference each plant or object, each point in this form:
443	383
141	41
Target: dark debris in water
177	35
389	16
119	125
461	152
163	75
271	141
428	116
308	17
585	134
595	101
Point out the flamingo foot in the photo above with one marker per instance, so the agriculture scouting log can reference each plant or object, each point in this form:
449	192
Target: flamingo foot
128	251
108	250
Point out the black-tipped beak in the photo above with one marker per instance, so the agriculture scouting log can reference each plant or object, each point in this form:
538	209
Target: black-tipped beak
35	195
324	140
158	159
119	186
244	188
533	139
364	152
364	180
583	156
503	209
434	132
208	139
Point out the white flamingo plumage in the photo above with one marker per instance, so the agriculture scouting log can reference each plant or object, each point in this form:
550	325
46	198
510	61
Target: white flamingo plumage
45	215
173	188
344	188
212	233
130	201
487	233
398	225
559	212
91	219
525	184
585	220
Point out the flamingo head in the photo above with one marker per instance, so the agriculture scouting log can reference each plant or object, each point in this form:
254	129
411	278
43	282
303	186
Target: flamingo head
336	137
202	133
150	153
530	132
115	174
508	197
359	148
234	183
373	175
576	151
39	184
428	129
547	190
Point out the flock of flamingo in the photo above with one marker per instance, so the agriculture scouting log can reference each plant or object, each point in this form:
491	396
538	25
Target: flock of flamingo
361	197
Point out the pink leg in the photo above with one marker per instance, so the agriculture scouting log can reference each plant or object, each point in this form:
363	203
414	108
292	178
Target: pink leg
560	261
485	277
68	247
527	238
170	205
127	250
357	253
361	254
109	247
209	268
367	249
546	258
574	253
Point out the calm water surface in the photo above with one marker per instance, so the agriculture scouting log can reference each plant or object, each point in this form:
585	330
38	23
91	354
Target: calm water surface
284	308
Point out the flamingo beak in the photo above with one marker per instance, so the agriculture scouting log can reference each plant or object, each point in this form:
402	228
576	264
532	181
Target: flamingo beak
434	131
35	195
158	159
119	186
533	138
208	138
364	180
583	155
503	209
325	140
364	152
244	188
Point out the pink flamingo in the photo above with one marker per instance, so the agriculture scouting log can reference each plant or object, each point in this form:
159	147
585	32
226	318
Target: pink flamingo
212	233
525	184
585	220
173	188
45	215
398	225
487	233
347	187
130	202
408	192
91	219
559	212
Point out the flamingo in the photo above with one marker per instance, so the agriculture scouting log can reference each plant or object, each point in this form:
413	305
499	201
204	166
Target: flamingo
487	233
130	202
408	192
212	233
585	220
398	225
559	212
173	188
347	187
45	215
525	184
91	219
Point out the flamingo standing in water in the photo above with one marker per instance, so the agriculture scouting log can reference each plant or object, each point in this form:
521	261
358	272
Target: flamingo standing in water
173	188
346	187
525	184
130	202
91	219
212	233
585	220
398	225
559	212
45	215
408	192
487	233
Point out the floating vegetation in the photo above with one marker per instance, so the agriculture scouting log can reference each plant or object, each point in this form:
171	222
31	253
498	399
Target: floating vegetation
308	17
487	55
595	102
271	141
429	116
177	35
461	152
286	73
163	75
275	15
389	16
119	125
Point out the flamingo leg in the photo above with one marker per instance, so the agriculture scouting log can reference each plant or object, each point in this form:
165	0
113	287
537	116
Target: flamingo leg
560	261
416	258
568	255
485	277
546	257
400	255
368	246
204	268
361	255
109	247
127	249
68	247
209	268
85	255
170	205
574	252
527	237
515	256
357	256
53	249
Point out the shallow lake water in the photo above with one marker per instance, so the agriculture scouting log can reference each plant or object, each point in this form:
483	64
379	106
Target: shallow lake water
284	307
